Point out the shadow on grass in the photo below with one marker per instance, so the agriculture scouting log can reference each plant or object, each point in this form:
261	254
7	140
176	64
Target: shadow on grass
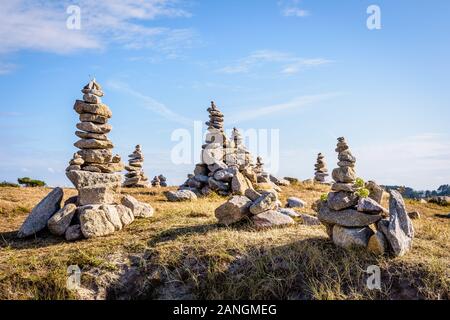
40	240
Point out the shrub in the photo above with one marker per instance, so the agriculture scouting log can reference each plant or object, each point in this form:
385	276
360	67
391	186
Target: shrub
27	182
359	183
324	197
363	192
8	184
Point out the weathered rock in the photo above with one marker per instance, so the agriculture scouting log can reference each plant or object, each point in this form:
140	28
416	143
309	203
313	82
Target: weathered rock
344	175
223	175
217	185
348	187
93	144
266	202
60	221
341	200
96	155
414	215
83	179
252	194
139	209
377	244
369	205
73	233
97	222
289	212
351	237
126	216
279	181
239	184
202	178
293	202
347	217
90	135
234	210
399	231
95	195
99	109
309	220
201	169
181	195
376	192
44	210
270	219
89	117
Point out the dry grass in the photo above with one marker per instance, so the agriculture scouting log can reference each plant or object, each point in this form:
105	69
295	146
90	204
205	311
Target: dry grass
182	253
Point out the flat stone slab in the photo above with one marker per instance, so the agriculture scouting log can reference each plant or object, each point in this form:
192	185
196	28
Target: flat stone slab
347	218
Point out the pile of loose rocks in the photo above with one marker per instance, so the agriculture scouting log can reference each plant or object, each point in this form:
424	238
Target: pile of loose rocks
135	178
321	171
96	210
226	165
263	209
353	219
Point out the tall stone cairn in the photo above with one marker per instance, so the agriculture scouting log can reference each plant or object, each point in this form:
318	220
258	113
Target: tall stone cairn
348	214
95	153
135	178
98	210
321	171
226	166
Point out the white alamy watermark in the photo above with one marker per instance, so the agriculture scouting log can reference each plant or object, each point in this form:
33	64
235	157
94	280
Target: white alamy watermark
373	281
73	21
264	143
374	20
74	277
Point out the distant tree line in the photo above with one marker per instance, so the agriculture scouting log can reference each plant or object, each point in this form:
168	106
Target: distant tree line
408	192
25	181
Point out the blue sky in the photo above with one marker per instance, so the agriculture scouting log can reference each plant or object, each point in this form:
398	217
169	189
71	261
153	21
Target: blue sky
311	69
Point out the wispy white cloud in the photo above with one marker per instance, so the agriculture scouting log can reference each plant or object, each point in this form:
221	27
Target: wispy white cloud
150	103
288	63
296	103
292	8
41	25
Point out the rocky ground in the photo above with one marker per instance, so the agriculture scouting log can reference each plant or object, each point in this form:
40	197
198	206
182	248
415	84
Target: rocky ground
182	253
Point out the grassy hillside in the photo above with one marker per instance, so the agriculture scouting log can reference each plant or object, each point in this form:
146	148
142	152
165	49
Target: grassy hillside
182	253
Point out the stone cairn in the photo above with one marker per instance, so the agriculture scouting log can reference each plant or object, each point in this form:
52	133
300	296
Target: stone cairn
354	219
226	166
156	182
135	178
93	171
162	181
321	171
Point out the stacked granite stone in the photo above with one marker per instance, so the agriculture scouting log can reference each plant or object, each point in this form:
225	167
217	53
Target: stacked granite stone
135	178
95	153
226	165
321	171
95	211
162	181
353	220
156	182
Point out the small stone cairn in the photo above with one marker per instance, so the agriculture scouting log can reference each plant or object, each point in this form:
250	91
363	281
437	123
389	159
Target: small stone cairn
226	165
321	171
156	182
354	219
135	178
93	171
162	181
